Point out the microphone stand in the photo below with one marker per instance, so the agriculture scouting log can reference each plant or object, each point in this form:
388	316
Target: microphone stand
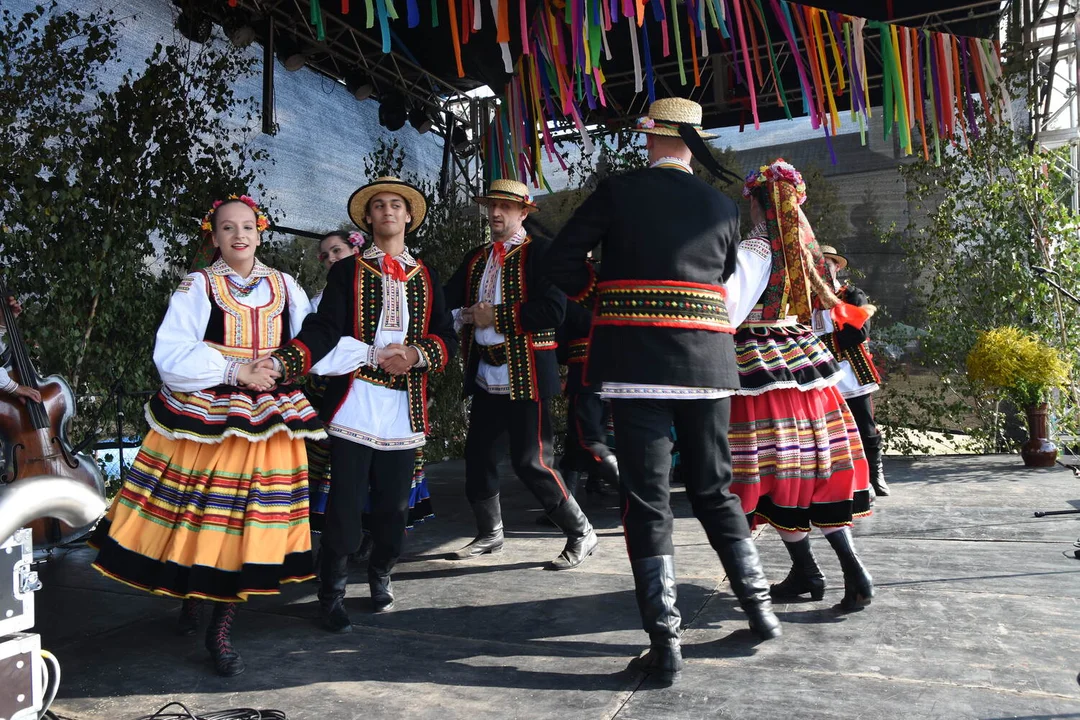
1044	275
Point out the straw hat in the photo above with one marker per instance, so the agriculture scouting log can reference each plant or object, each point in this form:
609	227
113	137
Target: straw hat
830	254
511	190
665	116
358	202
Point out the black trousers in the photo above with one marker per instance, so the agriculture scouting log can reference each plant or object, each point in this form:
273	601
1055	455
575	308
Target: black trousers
493	419
862	409
388	474
586	437
643	445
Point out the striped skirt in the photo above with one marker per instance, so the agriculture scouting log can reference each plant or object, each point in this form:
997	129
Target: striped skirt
221	521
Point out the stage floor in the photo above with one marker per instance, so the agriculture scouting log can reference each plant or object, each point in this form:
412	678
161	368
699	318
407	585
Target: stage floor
976	616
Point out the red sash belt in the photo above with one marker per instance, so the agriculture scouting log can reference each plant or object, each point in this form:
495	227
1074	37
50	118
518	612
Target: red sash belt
663	303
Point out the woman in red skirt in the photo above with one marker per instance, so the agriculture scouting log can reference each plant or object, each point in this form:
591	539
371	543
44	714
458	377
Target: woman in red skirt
796	457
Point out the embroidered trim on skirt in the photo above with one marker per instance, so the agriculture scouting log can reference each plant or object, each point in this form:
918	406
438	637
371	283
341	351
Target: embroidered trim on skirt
797	459
771	358
223	411
222	521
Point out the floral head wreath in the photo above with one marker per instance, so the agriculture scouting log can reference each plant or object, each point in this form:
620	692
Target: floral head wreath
262	222
779	171
356	239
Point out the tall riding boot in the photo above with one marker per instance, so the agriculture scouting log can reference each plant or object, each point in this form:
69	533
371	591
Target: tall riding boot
605	478
581	540
227	661
872	447
747	578
858	585
489	527
654	585
333	580
804	577
572	479
382	591
188	622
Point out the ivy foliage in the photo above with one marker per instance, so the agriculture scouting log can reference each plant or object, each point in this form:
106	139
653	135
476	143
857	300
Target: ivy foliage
103	185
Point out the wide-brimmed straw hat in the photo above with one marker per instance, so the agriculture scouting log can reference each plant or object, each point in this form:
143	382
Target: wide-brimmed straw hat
358	202
511	190
665	116
830	254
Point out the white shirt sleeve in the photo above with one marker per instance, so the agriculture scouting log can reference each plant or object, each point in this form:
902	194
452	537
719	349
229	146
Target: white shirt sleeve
184	361
348	355
751	276
299	305
6	383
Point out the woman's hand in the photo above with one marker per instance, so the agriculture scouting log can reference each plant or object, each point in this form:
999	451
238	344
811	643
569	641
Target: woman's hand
259	376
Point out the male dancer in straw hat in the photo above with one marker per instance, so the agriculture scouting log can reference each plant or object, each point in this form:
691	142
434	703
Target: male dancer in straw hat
509	313
662	348
381	327
852	349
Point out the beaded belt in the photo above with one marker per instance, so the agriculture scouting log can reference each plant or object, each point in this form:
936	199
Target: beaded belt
579	350
663	303
493	355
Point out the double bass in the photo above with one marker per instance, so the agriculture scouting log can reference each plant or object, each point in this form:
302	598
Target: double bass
34	436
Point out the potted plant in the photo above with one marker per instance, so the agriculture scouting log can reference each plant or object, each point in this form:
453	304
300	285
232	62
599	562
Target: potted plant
1018	365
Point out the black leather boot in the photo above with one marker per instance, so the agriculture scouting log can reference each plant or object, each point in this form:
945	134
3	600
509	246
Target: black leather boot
581	540
333	581
747	578
572	479
804	577
654	586
858	585
362	555
604	479
227	661
489	526
872	447
188	622
382	591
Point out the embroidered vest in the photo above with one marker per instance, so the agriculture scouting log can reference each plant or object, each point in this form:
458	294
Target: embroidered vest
244	333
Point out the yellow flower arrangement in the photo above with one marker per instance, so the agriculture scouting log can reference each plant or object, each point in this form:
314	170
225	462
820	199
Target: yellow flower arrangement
1017	363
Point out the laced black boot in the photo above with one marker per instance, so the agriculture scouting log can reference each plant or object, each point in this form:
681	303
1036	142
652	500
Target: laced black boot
747	578
188	622
654	586
858	585
227	661
489	527
804	577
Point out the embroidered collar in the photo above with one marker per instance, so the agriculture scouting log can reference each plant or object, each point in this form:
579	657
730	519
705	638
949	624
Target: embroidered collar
376	253
761	230
516	239
258	270
673	162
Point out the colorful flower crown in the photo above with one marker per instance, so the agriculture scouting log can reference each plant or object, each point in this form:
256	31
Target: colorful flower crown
779	171
262	222
356	239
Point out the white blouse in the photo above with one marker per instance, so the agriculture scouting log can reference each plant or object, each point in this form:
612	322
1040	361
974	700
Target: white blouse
184	361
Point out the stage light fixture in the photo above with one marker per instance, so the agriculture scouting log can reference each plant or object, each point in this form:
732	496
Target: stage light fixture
392	110
242	35
420	119
290	53
196	27
460	138
359	84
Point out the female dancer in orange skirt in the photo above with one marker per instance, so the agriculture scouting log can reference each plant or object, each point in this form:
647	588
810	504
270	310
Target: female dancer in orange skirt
215	506
797	460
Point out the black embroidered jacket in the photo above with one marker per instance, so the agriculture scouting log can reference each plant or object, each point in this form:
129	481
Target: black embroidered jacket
530	310
351	307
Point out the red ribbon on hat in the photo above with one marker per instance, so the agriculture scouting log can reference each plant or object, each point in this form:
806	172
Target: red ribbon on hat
392	268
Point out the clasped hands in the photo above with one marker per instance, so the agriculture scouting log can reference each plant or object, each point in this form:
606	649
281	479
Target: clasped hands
263	374
482	315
